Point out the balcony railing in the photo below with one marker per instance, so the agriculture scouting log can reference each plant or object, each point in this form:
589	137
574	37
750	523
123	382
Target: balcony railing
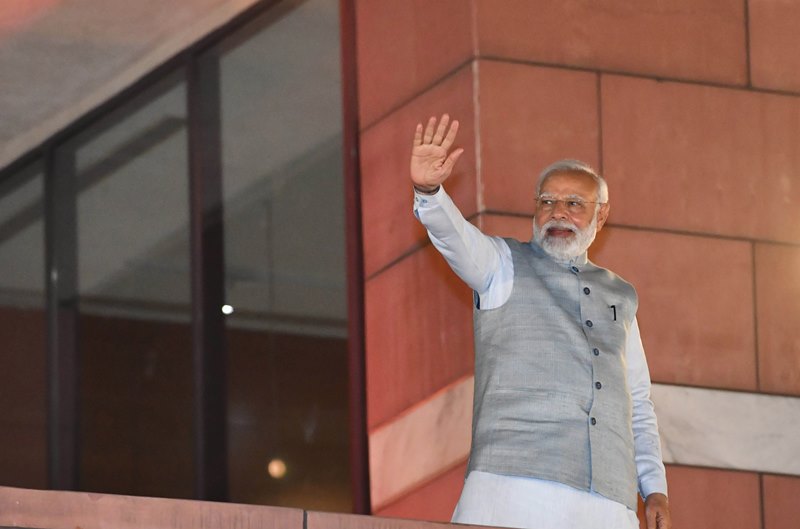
70	510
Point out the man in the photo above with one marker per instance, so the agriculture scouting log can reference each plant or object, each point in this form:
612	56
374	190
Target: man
563	432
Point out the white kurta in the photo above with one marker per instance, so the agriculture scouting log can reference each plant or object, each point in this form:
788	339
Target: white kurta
484	263
509	501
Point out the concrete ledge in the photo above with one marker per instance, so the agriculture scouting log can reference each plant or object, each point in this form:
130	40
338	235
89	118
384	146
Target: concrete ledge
69	510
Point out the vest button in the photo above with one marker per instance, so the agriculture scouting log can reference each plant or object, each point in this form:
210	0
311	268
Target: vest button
598	385
596	351
593	421
575	269
589	323
586	290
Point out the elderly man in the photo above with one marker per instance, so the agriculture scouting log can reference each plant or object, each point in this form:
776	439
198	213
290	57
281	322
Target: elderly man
563	432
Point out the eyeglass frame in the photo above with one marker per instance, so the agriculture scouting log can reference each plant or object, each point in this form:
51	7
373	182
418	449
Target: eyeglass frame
564	201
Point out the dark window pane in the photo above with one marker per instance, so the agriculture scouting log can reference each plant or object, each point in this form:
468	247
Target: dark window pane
23	393
133	277
285	260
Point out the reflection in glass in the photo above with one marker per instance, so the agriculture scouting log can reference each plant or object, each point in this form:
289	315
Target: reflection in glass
133	277
23	428
22	239
133	241
285	260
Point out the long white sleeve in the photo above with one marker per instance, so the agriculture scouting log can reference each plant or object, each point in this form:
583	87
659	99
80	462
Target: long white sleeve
646	442
484	263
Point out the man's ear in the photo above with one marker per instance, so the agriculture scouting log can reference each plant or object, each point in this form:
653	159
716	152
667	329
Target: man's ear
602	215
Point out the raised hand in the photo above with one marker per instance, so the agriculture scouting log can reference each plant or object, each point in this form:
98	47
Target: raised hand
431	164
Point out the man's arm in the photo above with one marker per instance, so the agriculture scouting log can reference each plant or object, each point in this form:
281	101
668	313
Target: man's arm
482	262
646	442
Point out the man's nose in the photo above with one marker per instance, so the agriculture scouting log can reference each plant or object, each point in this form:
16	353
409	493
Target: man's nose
560	209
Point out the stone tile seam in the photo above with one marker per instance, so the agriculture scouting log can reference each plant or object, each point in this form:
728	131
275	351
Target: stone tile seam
408	100
439	473
754	290
761	510
425	481
738	391
461	379
736	470
409	251
747	65
639	75
654	229
478	136
704	235
557	66
447	416
600	153
408	411
422	244
474	27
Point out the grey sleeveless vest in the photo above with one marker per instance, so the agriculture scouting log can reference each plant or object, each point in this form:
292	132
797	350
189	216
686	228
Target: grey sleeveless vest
551	395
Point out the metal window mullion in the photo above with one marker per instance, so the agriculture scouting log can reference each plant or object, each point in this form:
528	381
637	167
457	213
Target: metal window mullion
356	347
207	278
63	367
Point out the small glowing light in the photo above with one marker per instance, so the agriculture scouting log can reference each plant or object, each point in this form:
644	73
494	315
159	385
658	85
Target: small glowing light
227	309
276	468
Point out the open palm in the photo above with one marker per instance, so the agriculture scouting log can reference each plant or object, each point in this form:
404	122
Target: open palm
431	163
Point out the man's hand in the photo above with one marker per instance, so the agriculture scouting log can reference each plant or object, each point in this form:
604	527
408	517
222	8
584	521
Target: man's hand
430	162
656	511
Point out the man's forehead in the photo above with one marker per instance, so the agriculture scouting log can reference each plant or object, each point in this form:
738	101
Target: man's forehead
569	181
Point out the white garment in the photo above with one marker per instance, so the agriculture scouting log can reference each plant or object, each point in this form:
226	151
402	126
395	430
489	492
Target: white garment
508	501
484	263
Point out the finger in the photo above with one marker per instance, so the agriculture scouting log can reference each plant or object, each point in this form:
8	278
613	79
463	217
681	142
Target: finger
451	135
451	160
429	130
418	135
437	139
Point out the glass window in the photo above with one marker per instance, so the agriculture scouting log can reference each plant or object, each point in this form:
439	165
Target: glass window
285	280
134	287
23	427
285	260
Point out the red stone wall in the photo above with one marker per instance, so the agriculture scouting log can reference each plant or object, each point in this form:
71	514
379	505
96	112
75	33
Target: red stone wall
690	108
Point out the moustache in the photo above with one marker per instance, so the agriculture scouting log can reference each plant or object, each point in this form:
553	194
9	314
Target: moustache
559	225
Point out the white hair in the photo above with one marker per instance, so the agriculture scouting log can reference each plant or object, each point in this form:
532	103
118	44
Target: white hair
574	166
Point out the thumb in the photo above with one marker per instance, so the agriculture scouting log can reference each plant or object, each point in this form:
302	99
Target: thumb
451	160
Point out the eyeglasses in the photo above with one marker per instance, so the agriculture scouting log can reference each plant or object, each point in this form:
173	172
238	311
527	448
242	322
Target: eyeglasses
575	206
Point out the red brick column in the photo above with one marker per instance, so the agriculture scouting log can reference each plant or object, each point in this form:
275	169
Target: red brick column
690	108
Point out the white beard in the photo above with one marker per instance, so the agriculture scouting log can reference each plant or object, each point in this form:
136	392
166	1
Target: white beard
565	248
